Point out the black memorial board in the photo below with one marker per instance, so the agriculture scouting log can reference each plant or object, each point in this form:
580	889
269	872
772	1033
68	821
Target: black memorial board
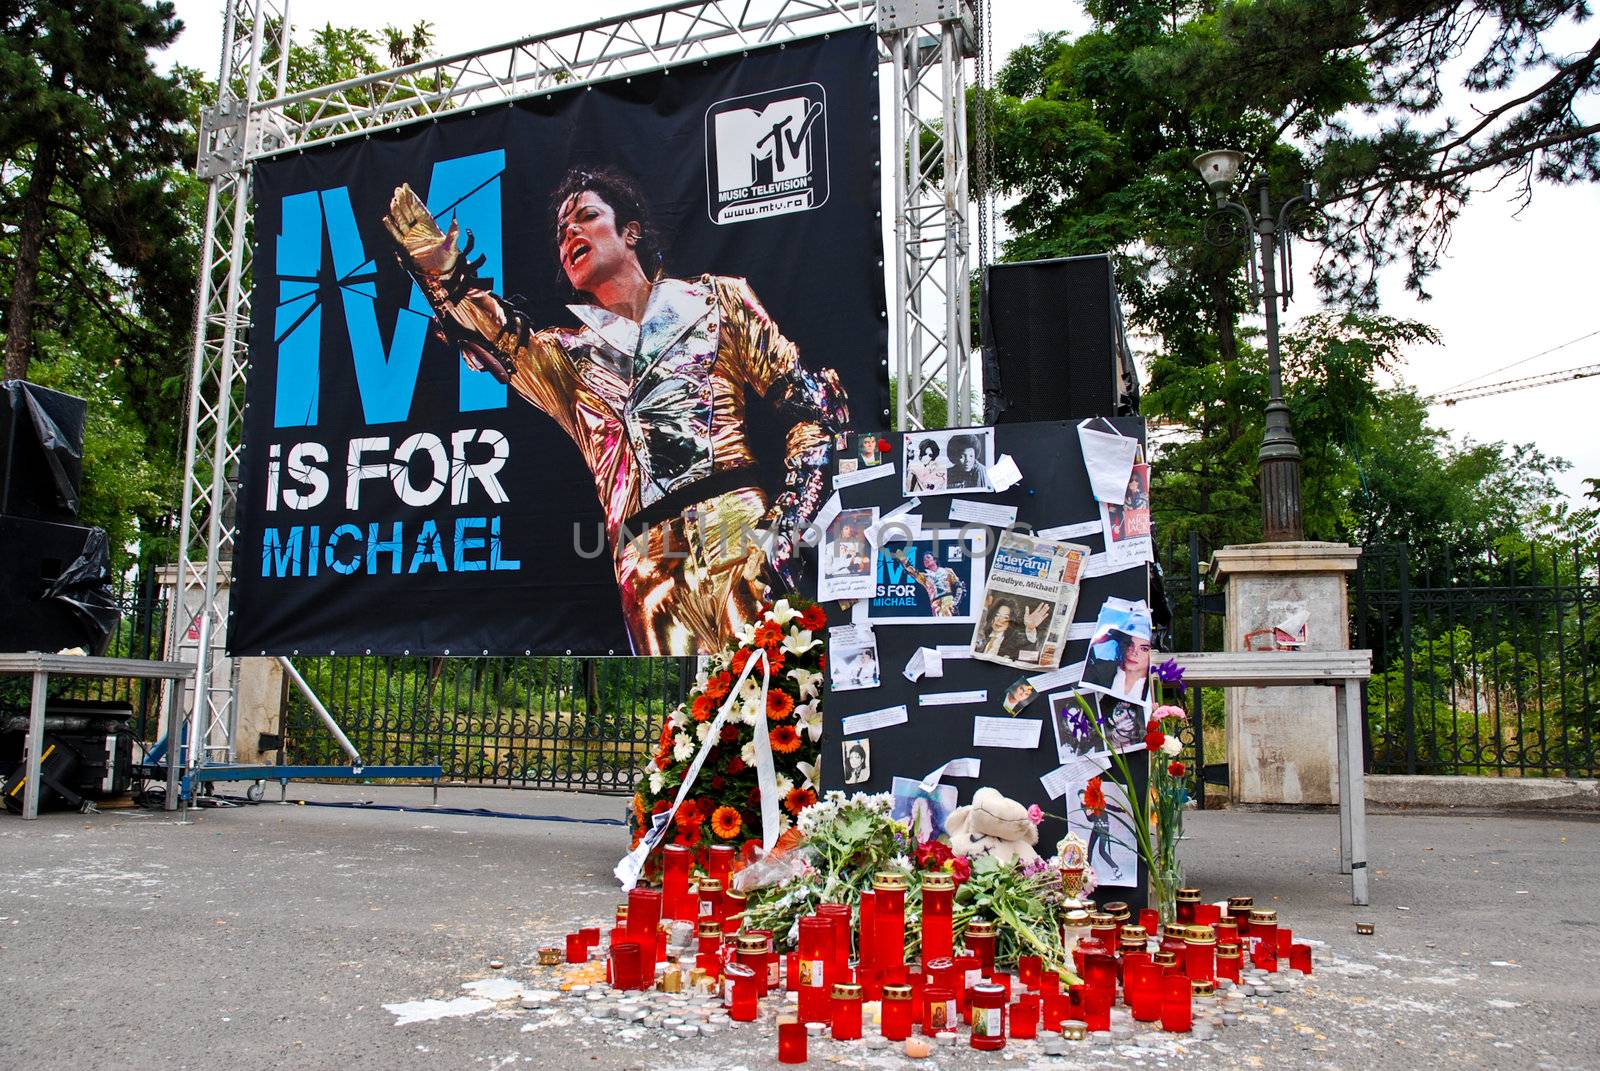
1054	491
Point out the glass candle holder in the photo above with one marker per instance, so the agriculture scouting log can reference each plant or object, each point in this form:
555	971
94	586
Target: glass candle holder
1227	932
1028	970
1285	941
1150	919
1228	962
644	916
1187	899
1003	980
1177	1008
938	923
1097	1007
741	992
622	915
942	973
1100	971
866	926
1239	908
812	976
846	1012
1207	914
1142	982
889	919
1264	938
770	959
1300	958
1025	1017
1077	1009
750	951
896	1012
709	892
675	863
1200	954
1053	1002
988	1016
577	950
839	947
719	862
1121	914
590	935
791	1043
732	909
969	972
979	939
939	1010
622	965
1074	929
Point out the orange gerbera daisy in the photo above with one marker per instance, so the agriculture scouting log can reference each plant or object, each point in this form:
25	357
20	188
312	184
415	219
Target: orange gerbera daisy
718	684
703	708
798	800
726	823
784	739
780	704
769	634
812	618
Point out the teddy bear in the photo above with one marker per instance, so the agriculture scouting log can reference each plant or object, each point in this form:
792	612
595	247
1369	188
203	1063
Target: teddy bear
993	825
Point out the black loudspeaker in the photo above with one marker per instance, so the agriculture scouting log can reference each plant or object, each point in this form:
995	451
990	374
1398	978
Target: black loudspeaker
87	754
47	599
1053	343
41	451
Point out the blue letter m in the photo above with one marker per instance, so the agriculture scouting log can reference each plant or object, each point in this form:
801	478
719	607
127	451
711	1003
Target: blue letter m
467	189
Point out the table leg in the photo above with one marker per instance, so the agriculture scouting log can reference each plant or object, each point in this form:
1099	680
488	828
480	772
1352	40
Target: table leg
35	745
1343	742
1356	777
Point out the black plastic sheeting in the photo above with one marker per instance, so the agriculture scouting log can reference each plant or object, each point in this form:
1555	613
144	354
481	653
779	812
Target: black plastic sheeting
84	588
63	454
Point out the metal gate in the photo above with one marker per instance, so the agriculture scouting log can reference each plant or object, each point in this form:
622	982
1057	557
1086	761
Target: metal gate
584	724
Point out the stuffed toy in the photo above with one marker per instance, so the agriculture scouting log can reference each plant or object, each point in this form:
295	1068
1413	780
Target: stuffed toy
995	826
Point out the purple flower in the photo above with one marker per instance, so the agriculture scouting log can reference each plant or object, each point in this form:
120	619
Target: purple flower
1169	672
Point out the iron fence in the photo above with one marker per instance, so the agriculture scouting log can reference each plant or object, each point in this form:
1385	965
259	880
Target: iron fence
585	724
1489	666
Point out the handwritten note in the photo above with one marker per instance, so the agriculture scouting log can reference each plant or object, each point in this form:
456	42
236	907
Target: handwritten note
1046	682
875	719
1057	781
1020	733
1070	531
995	514
950	699
1004	474
851	479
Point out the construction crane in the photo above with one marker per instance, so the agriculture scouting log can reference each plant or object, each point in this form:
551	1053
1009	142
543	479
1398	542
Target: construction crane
1506	386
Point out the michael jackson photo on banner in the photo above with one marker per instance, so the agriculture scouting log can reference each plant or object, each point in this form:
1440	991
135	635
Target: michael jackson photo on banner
562	376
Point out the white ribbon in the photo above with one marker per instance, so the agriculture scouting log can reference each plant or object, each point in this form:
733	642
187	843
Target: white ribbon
632	864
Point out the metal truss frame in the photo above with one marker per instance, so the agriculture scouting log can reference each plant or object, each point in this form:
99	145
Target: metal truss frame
925	42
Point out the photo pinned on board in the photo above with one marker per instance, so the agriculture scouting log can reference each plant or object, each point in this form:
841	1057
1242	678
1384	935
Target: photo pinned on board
852	657
857	761
1121	722
1118	659
924	811
946	462
1019	695
1098	811
846	556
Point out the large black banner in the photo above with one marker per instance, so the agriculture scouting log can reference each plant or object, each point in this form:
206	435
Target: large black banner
537	377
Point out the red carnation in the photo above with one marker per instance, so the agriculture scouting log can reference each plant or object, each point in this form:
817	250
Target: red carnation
961	868
1176	769
1153	736
736	766
885	446
729	735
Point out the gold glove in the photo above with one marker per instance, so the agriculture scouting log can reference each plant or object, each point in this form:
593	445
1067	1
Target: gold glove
413	229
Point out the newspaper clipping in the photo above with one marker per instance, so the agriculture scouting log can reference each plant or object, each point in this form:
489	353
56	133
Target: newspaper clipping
1027	609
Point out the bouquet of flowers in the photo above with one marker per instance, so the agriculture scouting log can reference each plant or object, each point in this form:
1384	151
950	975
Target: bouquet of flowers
724	805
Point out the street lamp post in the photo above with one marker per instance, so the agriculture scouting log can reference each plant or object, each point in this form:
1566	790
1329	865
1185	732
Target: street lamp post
1278	462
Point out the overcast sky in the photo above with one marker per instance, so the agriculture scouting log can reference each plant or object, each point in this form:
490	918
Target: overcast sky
1512	286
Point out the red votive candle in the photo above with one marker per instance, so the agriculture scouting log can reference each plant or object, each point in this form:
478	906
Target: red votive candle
719	862
622	965
896	1012
770	958
733	903
710	896
1177	1010
709	947
1187	899
1054	1002
1150	919
1028	970
750	951
866	926
644	916
1025	1017
846	1012
1207	914
1200	954
577	950
988	1016
839	946
1239	908
741	992
939	1011
979	940
1142	984
1285	941
1097	1007
1264	935
791	1043
1228	962
938	924
1003	980
1227	932
590	935
1077	1007
816	939
969	972
942	973
675	863
1300	958
889	919
1100	971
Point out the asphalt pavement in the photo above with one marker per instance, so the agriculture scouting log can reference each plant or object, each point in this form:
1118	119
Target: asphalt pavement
273	935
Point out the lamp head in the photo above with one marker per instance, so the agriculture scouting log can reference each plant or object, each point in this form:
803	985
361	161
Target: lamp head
1220	168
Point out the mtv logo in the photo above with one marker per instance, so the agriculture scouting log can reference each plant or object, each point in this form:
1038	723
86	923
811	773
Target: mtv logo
767	153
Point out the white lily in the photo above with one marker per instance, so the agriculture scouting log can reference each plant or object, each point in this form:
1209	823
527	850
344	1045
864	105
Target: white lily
809	683
799	641
807	769
702	730
782	612
745	634
810	716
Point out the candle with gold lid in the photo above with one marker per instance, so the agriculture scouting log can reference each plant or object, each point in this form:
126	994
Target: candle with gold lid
889	919
709	891
1200	952
846	1011
896	1012
1187	898
1133	939
732	910
980	939
1239	908
1228	962
938	923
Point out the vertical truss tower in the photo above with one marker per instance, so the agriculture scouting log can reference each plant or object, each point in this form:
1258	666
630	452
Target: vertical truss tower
924	42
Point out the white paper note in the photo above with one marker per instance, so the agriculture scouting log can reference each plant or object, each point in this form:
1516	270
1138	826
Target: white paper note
1057	781
1105	565
1020	733
915	665
1004	473
994	514
875	719
954	650
932	663
1070	531
1108	457
950	699
876	472
1081	630
830	509
1060	678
